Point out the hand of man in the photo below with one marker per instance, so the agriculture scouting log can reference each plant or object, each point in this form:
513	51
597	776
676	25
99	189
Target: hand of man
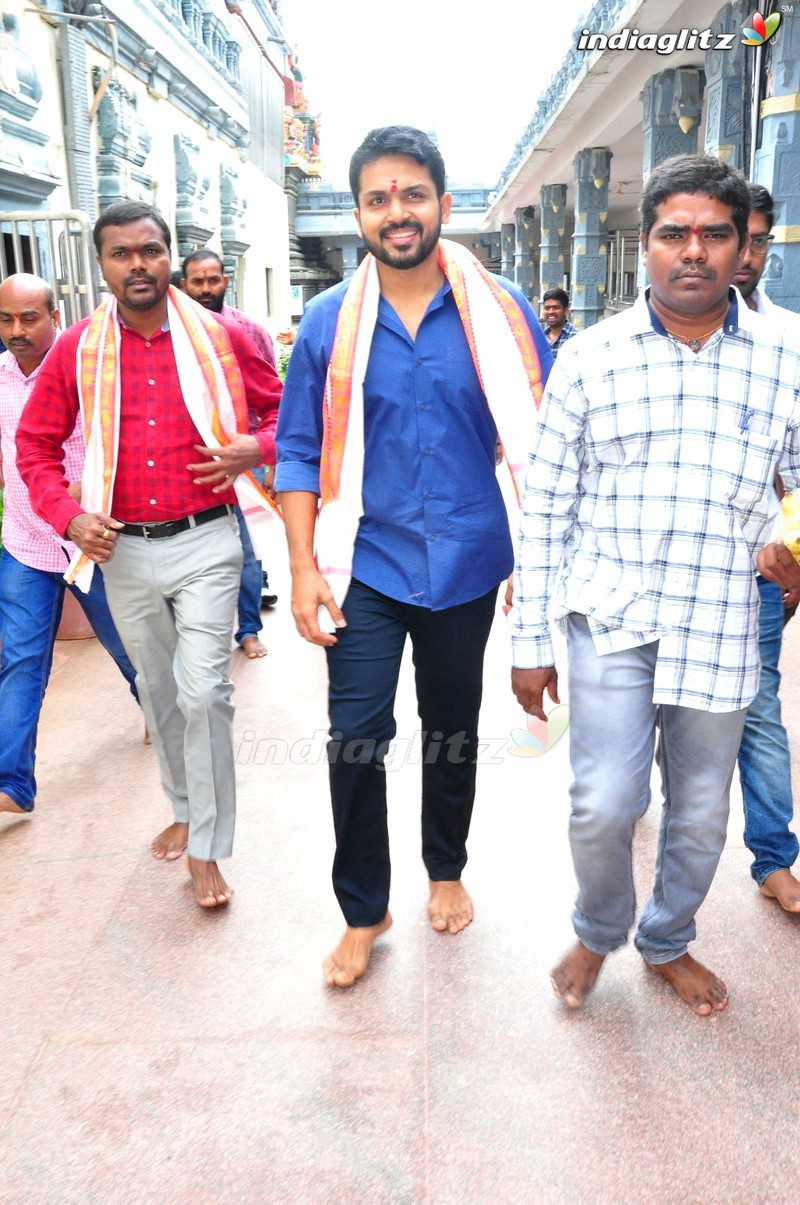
94	534
776	563
310	591
529	686
508	601
225	463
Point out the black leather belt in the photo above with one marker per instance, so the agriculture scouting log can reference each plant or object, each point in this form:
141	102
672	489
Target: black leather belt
173	527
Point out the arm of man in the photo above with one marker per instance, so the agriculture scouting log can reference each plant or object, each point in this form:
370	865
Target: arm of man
45	424
549	506
263	392
310	591
299	444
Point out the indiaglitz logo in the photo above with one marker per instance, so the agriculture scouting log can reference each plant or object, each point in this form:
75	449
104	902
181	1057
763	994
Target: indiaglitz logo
759	31
540	735
661	43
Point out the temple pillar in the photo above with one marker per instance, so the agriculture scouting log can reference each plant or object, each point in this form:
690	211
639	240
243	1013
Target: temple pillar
554	243
525	251
590	240
778	161
507	250
728	98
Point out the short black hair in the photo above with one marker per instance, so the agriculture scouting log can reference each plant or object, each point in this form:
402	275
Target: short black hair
693	174
761	202
122	213
559	295
194	257
398	140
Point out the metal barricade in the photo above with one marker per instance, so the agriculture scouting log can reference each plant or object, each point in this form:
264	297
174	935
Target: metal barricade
57	247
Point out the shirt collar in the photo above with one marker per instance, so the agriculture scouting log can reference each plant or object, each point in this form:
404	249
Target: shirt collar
730	325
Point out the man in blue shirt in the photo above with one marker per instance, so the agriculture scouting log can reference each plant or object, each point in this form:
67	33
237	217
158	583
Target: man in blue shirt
421	537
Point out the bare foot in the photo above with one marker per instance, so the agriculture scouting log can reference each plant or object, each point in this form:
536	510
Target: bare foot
252	647
781	885
695	984
170	844
576	975
210	888
350	959
7	804
449	907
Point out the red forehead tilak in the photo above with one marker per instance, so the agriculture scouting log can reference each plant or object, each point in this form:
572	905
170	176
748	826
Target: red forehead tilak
394	186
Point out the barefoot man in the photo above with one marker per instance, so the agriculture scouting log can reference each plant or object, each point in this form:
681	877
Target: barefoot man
647	499
161	385
386	419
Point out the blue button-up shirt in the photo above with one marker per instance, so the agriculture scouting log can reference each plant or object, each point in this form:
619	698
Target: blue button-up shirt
434	531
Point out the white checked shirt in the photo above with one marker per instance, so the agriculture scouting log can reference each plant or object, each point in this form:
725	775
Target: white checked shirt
647	494
27	537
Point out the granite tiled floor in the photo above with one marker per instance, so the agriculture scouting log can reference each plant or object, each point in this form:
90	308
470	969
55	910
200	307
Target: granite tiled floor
154	1052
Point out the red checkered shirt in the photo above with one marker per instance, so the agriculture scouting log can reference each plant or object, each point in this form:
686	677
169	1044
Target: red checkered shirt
157	438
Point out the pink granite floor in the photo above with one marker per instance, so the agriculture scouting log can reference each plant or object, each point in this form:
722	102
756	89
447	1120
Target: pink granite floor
154	1052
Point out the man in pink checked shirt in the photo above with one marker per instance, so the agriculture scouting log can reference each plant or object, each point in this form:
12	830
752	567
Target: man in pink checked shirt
33	557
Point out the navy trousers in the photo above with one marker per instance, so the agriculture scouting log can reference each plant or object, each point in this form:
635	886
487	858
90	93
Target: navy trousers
448	650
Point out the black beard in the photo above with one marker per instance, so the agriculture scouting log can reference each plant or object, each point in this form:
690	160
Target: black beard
404	260
212	303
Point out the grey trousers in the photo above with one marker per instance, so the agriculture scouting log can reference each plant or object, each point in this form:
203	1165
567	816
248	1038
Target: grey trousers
612	733
174	603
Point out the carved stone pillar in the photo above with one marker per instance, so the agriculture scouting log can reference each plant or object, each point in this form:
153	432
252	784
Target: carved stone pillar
25	176
728	96
124	145
232	225
507	250
590	240
554	244
672	102
193	223
525	251
778	161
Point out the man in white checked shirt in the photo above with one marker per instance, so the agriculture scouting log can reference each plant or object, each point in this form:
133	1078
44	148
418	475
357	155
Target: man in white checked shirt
646	502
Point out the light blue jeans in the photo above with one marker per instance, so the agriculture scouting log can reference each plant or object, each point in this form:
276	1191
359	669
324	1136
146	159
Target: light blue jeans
612	735
30	611
764	766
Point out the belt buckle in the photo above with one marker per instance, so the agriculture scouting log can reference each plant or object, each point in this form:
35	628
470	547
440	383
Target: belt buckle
146	531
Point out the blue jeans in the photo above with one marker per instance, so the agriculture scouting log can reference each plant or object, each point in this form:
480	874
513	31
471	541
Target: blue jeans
448	648
249	605
30	611
764	766
612	733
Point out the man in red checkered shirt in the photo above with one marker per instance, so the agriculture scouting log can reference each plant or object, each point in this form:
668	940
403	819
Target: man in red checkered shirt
169	547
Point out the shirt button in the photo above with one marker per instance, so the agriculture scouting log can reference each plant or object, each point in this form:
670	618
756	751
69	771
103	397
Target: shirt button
420	361
151	382
426	451
152	501
146	343
431	539
424	406
429	493
150	464
151	422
